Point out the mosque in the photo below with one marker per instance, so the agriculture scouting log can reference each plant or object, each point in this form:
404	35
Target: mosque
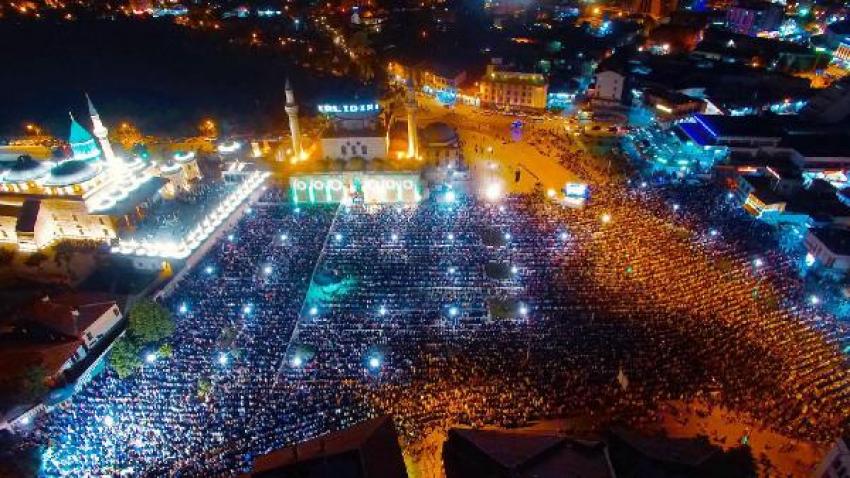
89	194
381	162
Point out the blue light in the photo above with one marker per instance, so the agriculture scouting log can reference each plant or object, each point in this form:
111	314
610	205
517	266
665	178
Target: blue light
267	270
314	311
247	309
508	236
810	259
374	363
564	236
451	236
223	358
523	310
450	197
209	270
150	357
338	237
394	236
452	270
297	210
382	310
230	237
514	269
453	311
183	308
713	232
283	237
297	361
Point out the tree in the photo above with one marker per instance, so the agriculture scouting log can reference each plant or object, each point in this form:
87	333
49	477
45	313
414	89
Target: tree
124	357
150	322
6	257
166	350
33	383
204	387
35	259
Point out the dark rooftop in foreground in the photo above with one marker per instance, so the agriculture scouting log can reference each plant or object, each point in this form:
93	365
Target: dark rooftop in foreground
367	450
836	240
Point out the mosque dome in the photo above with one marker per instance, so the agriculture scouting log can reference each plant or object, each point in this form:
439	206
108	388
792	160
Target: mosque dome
25	169
70	172
83	144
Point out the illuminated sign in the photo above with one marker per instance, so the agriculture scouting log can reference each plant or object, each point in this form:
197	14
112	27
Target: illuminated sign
355	108
575	190
343	188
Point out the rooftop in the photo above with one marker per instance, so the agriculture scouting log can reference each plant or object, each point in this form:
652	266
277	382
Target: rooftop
818	145
69	314
836	240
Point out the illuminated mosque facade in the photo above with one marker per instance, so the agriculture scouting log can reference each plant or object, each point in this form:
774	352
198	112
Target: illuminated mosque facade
90	194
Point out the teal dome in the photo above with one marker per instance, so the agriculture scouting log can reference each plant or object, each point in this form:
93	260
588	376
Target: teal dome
25	169
82	142
70	172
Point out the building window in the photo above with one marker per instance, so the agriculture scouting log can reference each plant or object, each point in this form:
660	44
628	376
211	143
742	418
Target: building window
363	150
344	150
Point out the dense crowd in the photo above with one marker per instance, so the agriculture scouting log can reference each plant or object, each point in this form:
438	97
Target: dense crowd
463	312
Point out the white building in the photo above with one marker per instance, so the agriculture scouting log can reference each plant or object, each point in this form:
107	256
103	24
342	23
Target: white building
609	86
830	248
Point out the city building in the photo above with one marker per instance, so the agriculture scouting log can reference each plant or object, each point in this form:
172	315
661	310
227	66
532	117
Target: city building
91	194
734	132
830	105
609	87
655	8
830	248
671	105
836	463
618	452
354	132
64	336
750	17
366	450
506	89
500	453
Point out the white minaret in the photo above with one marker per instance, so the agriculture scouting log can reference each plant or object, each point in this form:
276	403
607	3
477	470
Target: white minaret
292	113
101	133
412	132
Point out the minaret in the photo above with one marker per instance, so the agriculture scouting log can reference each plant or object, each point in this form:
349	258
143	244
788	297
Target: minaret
412	132
101	133
292	112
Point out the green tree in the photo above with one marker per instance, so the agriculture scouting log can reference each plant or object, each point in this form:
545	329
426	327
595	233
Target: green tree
150	322
33	383
35	259
124	357
204	387
166	350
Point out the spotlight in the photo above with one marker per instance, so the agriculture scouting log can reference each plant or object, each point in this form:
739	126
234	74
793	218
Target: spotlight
208	269
374	363
222	359
450	197
108	420
297	361
493	192
314	310
605	218
150	358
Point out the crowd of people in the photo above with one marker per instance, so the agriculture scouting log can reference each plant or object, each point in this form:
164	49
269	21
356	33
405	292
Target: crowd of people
603	312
